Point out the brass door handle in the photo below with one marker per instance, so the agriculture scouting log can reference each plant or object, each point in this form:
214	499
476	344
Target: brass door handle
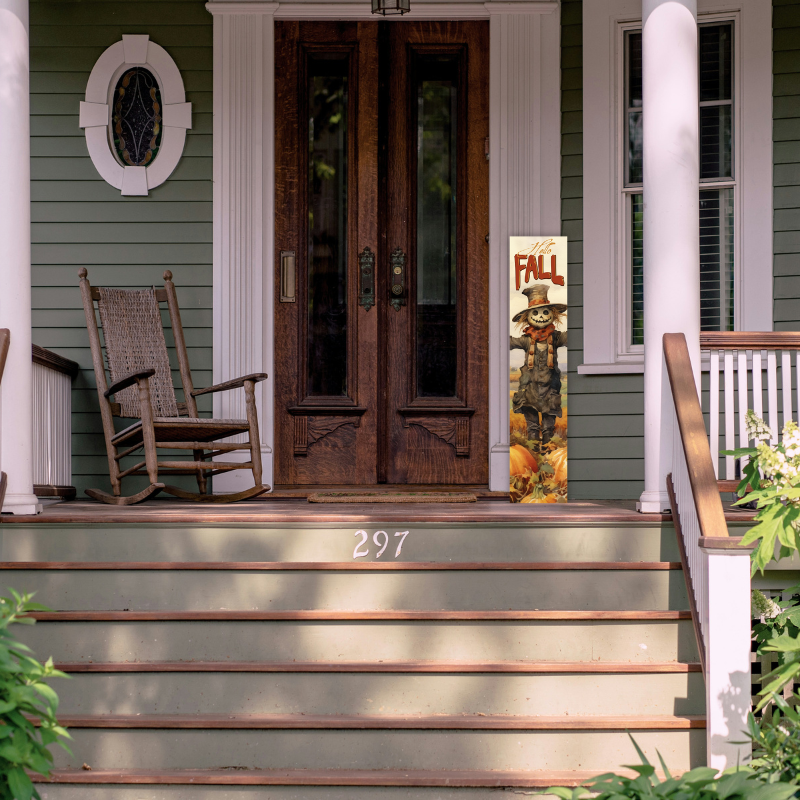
288	276
397	283
366	267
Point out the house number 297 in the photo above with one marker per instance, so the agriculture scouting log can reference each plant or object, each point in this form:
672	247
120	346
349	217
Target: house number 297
381	539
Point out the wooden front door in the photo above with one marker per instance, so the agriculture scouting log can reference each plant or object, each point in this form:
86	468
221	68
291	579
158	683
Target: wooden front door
382	260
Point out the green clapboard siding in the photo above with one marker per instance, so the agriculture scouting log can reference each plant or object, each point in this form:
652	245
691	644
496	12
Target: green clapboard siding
606	419
786	160
79	220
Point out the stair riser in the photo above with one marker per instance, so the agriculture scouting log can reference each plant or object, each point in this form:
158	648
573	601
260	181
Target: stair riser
112	792
491	590
335	543
319	693
376	749
363	641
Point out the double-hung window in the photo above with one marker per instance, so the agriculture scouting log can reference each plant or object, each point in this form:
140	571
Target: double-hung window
717	178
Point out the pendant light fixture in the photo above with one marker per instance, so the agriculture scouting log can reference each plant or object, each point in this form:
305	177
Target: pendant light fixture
387	7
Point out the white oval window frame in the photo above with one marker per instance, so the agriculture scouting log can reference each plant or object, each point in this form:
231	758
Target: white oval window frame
95	114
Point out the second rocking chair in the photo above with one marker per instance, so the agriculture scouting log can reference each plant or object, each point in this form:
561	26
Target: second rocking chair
141	383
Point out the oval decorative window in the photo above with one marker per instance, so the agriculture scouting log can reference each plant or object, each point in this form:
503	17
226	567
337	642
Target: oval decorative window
136	123
135	115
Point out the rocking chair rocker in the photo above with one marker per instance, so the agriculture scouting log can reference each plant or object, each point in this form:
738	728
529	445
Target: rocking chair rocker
141	382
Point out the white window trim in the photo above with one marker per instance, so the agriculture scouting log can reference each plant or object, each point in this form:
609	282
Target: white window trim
606	271
95	114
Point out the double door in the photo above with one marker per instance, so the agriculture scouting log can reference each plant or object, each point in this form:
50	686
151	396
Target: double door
382	247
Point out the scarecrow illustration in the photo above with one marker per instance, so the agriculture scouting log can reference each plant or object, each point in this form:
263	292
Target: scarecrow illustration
540	378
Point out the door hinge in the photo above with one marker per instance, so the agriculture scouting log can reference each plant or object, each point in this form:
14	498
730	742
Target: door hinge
486	147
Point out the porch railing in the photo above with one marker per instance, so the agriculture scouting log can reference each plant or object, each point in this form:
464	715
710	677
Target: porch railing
748	370
52	423
716	567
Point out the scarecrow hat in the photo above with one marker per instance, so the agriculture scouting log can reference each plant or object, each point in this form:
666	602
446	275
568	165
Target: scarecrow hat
537	298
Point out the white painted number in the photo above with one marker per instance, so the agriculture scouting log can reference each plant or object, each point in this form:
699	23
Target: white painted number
358	553
385	542
381	543
402	535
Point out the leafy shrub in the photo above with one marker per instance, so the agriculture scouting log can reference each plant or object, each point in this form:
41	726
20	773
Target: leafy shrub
776	743
697	784
24	694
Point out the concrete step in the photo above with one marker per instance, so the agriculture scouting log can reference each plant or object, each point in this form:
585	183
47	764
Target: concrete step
457	542
642	637
337	748
565	693
347	589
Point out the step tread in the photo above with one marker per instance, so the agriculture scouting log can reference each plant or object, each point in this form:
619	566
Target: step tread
237	776
381	722
420	666
335	615
356	566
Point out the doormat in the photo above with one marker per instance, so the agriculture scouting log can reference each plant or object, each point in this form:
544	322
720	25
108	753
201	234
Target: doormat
392	497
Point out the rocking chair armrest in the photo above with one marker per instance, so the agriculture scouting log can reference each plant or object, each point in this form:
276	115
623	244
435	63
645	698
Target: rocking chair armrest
128	380
236	383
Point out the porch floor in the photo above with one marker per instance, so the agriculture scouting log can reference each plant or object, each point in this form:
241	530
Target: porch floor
268	511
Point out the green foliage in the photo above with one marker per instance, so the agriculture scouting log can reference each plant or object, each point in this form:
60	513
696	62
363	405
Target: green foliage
773	475
776	743
23	694
778	631
701	783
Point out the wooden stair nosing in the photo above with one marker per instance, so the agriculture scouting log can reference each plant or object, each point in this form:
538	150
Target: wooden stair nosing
467	722
322	615
346	566
237	776
419	667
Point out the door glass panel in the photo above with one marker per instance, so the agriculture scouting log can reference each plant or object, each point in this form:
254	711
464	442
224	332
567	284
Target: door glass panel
327	225
437	159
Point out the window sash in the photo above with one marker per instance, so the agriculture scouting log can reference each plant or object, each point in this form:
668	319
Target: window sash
717	182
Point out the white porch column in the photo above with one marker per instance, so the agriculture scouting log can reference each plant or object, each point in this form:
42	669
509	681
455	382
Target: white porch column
671	219
728	636
524	177
244	188
16	421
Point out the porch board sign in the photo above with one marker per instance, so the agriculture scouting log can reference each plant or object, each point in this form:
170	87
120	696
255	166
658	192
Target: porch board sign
538	374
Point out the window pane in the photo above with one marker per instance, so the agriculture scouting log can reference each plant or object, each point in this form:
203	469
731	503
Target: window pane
716	260
637	265
634	80
715	142
716	72
634	147
633	105
437	118
327	226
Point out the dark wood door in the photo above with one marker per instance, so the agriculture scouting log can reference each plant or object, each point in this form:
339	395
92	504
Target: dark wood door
382	275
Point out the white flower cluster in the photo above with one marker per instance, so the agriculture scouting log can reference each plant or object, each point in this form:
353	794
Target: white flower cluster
763	607
756	427
780	464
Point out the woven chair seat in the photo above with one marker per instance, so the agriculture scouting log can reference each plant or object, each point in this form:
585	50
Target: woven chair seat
183	429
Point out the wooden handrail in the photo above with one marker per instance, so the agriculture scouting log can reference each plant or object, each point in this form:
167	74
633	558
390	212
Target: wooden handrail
694	438
749	340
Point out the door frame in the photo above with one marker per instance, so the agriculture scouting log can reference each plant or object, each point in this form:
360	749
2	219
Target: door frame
524	183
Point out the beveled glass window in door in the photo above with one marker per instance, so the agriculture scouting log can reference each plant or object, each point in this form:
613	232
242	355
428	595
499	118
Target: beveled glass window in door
327	92
717	178
436	93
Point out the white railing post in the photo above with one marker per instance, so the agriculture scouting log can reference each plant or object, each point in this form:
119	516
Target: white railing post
727	639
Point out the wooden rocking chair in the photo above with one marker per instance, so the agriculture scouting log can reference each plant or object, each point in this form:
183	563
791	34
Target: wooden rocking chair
141	382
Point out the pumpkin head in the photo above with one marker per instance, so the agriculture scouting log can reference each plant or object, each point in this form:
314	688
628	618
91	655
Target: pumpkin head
522	460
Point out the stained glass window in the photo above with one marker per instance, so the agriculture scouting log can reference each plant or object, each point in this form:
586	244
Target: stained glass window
136	121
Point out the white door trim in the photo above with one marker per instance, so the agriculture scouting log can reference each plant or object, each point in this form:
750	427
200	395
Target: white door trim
524	182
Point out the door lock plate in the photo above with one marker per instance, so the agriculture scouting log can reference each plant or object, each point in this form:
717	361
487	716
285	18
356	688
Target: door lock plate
397	284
